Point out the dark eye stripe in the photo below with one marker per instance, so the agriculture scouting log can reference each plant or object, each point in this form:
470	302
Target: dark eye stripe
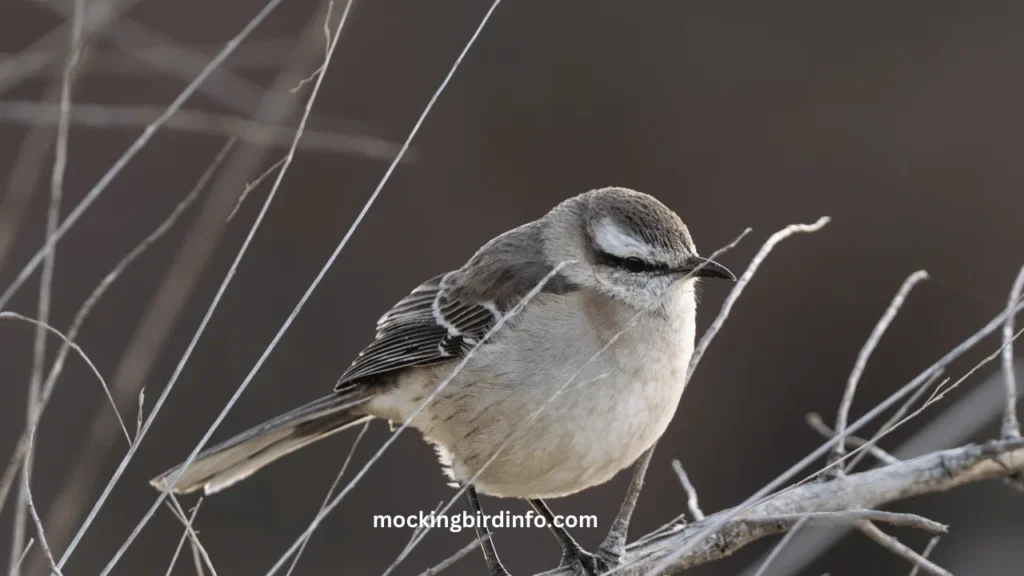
631	264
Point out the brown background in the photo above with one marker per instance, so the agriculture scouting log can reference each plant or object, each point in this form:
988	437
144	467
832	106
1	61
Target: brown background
900	120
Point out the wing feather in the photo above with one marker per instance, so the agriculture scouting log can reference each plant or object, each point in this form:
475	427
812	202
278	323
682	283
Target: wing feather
426	327
443	318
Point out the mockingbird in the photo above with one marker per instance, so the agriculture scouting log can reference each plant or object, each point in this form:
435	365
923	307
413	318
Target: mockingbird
543	408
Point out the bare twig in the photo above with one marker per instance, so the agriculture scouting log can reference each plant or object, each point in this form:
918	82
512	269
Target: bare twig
198	550
896	547
698	539
252	186
927	551
40	533
24	553
327	48
76	348
25	174
928	384
862	360
220	292
184	536
330	491
1011	427
451	560
176	287
778	548
258	54
130	153
48	48
936	472
86	309
691	492
854	516
956	424
119	116
139	414
741	284
184	62
196	559
46	281
818	425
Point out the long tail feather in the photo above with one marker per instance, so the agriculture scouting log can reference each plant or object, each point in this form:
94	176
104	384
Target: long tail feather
238	458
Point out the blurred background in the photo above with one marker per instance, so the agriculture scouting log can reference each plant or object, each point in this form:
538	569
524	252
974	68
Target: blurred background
901	121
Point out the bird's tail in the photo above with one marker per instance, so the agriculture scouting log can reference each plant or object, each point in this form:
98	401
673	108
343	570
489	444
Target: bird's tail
238	458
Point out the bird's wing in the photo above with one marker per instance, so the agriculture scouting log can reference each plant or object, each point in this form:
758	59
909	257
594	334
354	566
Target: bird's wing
428	326
446	316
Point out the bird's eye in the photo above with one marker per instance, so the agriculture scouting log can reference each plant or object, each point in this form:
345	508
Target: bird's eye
635	265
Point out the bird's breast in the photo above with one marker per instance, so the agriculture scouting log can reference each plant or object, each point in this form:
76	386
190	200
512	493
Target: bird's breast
567	398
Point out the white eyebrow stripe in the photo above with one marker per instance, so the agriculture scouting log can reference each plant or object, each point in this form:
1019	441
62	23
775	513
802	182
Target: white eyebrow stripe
613	240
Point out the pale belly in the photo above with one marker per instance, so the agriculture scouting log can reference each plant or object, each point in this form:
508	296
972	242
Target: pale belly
549	428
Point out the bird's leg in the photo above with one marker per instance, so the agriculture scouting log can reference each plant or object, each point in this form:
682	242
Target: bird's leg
574	556
483	533
613	549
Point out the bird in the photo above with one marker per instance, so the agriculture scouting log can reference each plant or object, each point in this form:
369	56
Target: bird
549	362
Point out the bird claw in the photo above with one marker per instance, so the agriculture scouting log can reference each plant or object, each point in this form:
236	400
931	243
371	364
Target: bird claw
583	563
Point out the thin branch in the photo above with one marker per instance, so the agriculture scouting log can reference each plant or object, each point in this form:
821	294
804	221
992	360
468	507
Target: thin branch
1011	427
184	536
722	519
451	560
40	533
691	492
133	116
24	553
790	534
86	309
185	62
898	548
220	292
259	54
327	47
741	284
46	280
818	425
24	177
927	552
46	49
202	556
735	528
935	398
956	424
863	357
132	150
928	384
252	185
330	491
179	281
76	348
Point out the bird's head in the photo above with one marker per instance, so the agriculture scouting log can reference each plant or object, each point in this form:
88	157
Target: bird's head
627	245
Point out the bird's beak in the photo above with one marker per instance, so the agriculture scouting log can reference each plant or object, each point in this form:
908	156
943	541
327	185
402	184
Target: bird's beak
698	267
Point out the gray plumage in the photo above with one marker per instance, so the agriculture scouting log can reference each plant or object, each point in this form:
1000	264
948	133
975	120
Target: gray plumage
537	400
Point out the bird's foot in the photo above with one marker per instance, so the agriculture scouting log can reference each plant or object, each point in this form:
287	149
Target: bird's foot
583	563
